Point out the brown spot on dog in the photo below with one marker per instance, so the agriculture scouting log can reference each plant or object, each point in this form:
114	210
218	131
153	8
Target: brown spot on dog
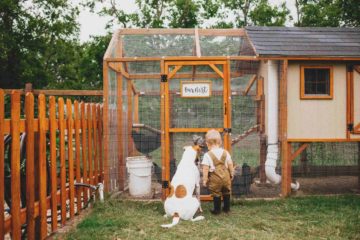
180	191
176	215
171	191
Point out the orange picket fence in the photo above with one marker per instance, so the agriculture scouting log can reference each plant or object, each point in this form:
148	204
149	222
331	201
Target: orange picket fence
48	147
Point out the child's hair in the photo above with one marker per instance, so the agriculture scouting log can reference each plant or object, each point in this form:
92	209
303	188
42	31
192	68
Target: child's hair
213	137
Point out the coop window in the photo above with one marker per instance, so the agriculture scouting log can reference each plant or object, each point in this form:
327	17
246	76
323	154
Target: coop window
316	82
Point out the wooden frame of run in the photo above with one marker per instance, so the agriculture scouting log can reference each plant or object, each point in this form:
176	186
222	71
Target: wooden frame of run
166	106
114	59
304	96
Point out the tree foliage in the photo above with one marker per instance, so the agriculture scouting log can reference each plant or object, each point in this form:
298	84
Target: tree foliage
38	42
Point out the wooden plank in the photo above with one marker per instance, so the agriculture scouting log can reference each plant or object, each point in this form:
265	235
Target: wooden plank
2	161
136	108
298	151
285	146
173	72
69	116
100	146
203	58
249	85
77	155
180	130
106	126
167	106
42	166
130	141
181	75
322	140
30	173
53	164
90	140
227	85
120	145
95	143
221	74
15	165
162	126
195	62
197	43
62	160
357	68
60	92
84	149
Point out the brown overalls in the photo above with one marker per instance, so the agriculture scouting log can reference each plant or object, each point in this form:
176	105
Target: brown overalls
219	180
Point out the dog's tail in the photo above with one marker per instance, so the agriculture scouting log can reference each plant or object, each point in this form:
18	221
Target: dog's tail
175	221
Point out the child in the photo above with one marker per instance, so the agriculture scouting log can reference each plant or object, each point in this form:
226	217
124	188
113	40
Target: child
218	171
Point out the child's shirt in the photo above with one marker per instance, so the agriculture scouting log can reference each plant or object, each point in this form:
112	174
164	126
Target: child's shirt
217	152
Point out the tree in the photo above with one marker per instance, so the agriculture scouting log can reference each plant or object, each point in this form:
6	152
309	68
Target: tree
328	13
266	15
37	42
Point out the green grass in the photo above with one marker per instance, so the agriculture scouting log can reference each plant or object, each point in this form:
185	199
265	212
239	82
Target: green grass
336	217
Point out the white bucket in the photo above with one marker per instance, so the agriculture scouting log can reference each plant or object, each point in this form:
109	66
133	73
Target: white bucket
139	169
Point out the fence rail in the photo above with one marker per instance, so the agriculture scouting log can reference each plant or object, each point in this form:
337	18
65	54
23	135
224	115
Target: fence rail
45	148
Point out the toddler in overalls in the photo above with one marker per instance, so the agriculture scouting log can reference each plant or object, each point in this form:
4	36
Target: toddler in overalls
218	171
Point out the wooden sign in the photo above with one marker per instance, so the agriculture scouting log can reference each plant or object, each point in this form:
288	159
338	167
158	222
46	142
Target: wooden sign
195	89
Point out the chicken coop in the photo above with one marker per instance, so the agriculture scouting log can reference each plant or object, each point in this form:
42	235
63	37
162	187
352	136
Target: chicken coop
278	110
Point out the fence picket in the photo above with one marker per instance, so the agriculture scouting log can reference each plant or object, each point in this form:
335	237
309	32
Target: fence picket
15	165
30	182
99	121
53	165
95	145
42	166
77	155
84	150
62	160
90	161
70	156
2	161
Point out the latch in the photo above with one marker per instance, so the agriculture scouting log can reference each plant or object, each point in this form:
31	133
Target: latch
227	130
165	184
164	78
350	127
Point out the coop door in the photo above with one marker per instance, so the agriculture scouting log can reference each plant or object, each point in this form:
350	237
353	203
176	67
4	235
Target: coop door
196	99
356	99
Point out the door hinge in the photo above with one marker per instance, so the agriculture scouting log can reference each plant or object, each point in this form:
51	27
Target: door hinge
164	78
350	68
227	130
165	184
350	127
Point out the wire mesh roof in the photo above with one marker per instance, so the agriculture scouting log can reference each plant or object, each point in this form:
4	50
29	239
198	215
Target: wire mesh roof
133	43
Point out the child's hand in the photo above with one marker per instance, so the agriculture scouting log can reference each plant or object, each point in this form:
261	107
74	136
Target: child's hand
204	183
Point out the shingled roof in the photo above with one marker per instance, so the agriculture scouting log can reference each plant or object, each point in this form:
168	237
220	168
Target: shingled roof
305	42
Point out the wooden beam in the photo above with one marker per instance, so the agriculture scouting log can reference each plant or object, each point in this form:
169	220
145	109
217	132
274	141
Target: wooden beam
298	151
197	43
184	58
323	140
173	72
59	92
357	68
179	130
182	31
249	85
144	76
221	74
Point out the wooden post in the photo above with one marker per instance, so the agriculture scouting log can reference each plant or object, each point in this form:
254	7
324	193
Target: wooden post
106	126
42	166
162	125
263	148
2	160
100	146
15	165
121	163
70	156
285	146
129	117
30	194
53	157
62	160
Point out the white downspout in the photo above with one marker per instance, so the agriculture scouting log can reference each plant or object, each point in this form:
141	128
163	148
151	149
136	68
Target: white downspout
273	125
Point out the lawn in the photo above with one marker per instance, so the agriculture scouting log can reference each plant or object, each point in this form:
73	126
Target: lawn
336	217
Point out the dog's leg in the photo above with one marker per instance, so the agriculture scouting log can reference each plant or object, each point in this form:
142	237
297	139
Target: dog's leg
198	218
198	196
175	221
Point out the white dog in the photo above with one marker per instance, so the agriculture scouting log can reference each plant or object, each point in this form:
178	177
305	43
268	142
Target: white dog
181	203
